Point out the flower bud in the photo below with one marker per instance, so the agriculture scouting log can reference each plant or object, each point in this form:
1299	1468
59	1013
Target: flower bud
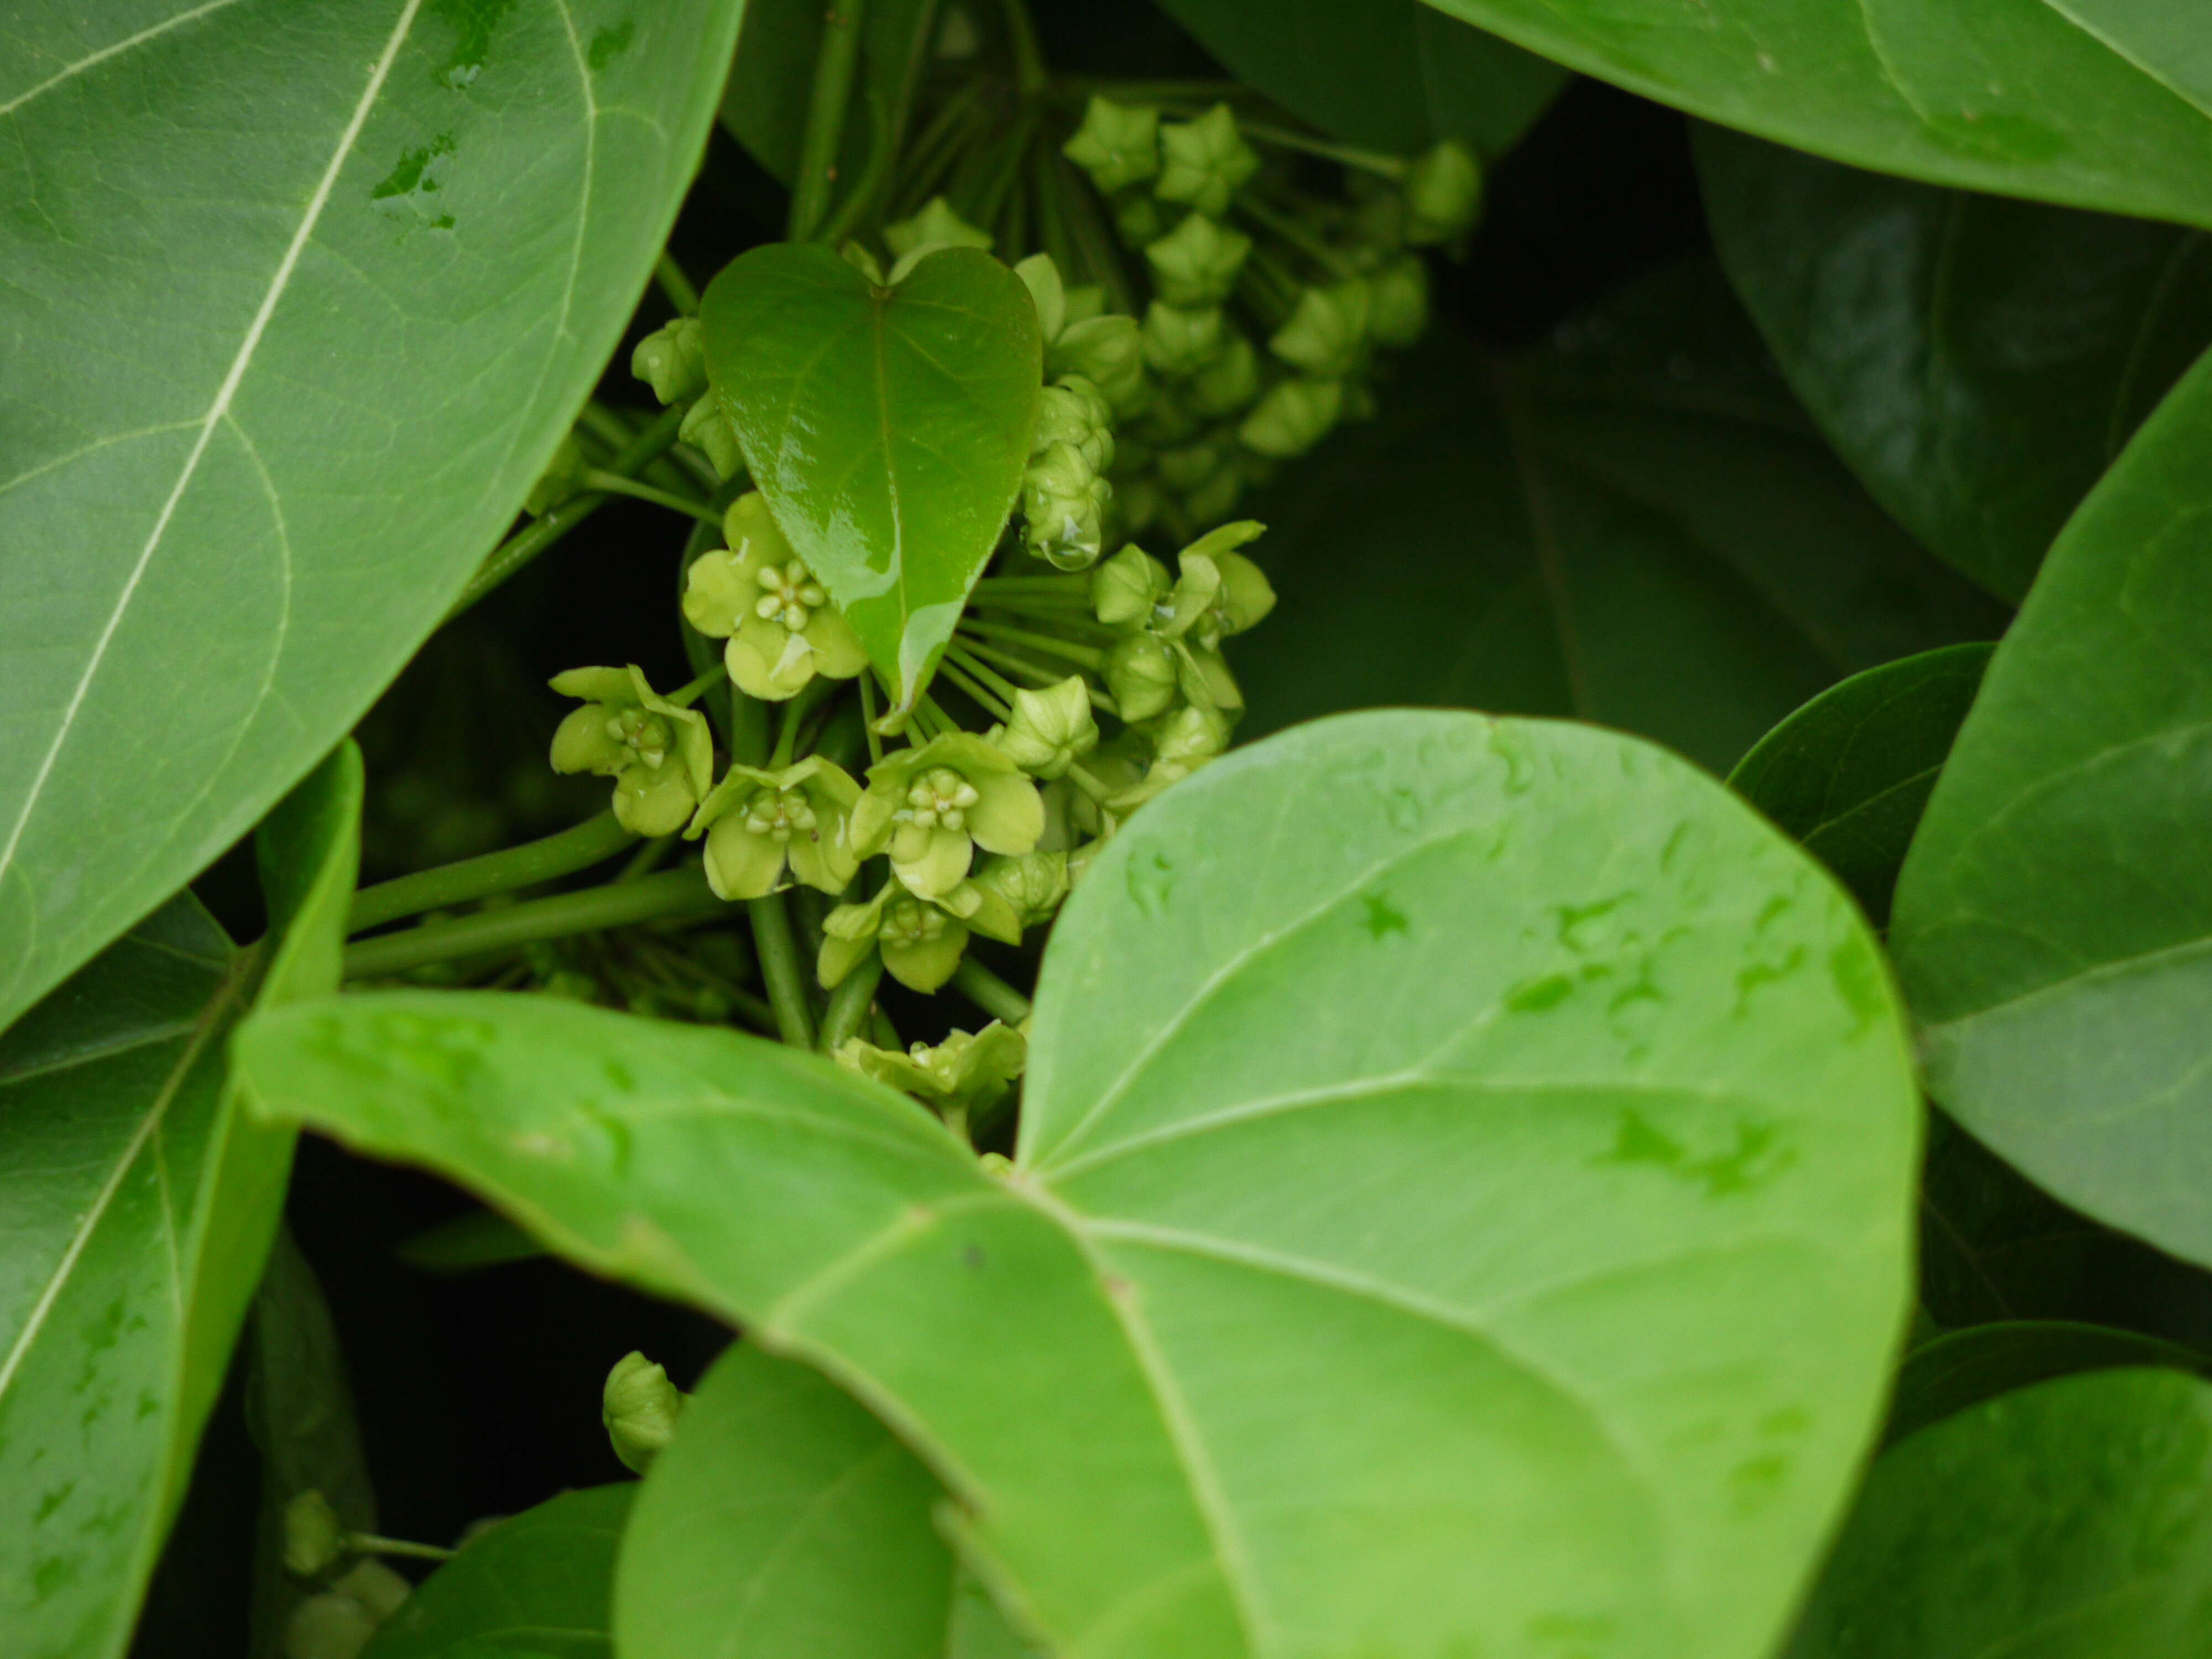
1137	218
1042	277
1228	384
1118	144
1326	332
640	1407
314	1537
936	226
1189	466
1084	303
1204	163
1049	731
672	360
1443	187
1064	501
1216	496
964	1075
707	428
1136	505
1197	262
1140	673
1125	588
1033	882
1189	736
1107	351
1292	417
1075	413
1398	307
1179	341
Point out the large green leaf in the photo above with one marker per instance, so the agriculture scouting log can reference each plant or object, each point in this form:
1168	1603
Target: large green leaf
2080	101
1462	1204
2053	923
1849	774
888	427
537	1586
2072	1520
298	301
1958	1371
1977	361
140	1204
784	1520
1393	74
1636	527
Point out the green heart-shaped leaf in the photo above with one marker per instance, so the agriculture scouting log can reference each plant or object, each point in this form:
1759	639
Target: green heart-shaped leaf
785	1519
888	427
1463	1203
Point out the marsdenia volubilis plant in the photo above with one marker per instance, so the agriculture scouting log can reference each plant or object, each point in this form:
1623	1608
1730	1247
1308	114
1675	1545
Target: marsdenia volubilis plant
1422	1182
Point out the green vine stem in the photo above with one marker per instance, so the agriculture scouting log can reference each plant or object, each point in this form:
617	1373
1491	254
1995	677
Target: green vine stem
613	483
825	118
849	1004
989	993
678	893
592	841
785	975
681	293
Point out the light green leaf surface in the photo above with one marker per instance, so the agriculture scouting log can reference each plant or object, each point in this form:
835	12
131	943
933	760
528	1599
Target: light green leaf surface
888	428
140	1206
2053	925
1849	774
784	1520
2093	103
1977	361
2072	1520
537	1586
1636	527
299	300
1393	75
1462	1204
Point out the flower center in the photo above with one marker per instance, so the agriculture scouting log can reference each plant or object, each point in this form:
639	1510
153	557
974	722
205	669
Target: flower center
789	596
939	798
644	734
779	814
909	921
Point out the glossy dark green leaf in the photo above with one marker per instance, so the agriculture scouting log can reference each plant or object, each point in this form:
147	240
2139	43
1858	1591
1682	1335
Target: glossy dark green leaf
2094	103
1849	773
1957	1372
140	1204
538	1585
1977	361
888	427
2053	923
1393	74
1635	527
1351	1290
787	1520
2072	1520
299	300
764	104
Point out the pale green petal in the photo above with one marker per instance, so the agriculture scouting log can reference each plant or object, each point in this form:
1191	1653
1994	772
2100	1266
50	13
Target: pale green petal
654	801
941	867
761	660
595	685
1010	817
818	862
926	966
750	530
739	864
838	652
581	743
718	595
839	957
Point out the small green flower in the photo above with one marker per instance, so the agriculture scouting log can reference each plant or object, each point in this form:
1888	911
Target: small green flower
1328	330
708	429
1216	496
930	807
672	360
1292	417
1190	466
1046	292
936	226
1228	384
1398	312
640	1407
964	1076
315	1540
1196	262
1108	351
1444	188
1141	674
922	940
1127	587
1034	884
1136	505
782	630
1118	144
1182	743
1204	163
759	822
1073	412
1063	507
1138	220
661	758
1226	593
1179	342
562	477
1049	731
